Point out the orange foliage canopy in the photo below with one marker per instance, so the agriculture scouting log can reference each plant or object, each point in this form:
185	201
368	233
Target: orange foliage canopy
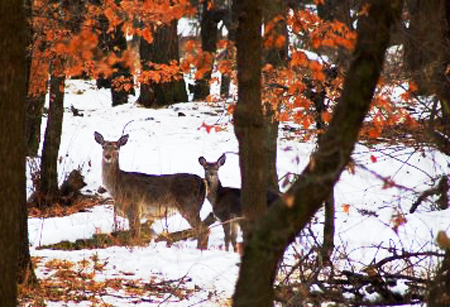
69	36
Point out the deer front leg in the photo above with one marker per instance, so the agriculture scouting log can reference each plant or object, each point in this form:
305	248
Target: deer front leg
227	232
132	213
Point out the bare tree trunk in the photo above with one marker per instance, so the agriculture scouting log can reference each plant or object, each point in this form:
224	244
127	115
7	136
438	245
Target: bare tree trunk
35	101
439	295
230	22
162	50
35	106
208	33
274	231
340	10
427	55
116	42
250	125
317	95
13	40
25	271
52	138
277	56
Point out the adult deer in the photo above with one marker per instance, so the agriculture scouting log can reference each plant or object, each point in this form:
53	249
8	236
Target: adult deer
137	195
226	201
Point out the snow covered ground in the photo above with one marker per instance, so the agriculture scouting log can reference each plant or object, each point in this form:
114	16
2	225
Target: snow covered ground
170	140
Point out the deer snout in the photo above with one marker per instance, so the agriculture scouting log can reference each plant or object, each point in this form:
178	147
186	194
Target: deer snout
107	157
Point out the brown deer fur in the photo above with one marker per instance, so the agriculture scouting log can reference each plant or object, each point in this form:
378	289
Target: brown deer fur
137	195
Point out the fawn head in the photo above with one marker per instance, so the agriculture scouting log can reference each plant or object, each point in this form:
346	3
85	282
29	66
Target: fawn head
110	149
212	168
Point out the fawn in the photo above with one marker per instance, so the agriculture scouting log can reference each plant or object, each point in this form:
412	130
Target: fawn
225	201
138	195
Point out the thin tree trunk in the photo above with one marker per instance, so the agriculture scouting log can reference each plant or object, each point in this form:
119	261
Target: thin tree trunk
273	233
250	124
317	94
440	286
25	271
35	99
208	34
52	138
230	22
35	106
121	81
225	82
13	40
277	56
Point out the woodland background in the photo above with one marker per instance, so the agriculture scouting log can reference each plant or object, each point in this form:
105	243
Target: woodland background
363	51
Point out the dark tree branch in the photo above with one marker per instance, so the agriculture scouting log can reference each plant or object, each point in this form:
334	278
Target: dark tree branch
273	233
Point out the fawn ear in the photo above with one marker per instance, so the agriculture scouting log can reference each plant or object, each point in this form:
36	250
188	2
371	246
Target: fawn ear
221	160
123	140
99	138
202	161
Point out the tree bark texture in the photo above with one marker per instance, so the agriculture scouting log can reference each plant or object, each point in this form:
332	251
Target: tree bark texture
439	294
13	40
250	126
427	48
284	220
114	41
317	95
162	50
208	33
52	138
427	52
35	101
276	56
35	106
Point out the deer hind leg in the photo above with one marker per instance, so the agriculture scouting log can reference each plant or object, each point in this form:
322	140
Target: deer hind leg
201	228
227	232
234	228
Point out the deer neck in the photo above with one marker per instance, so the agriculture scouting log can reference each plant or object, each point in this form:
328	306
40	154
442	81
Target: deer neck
214	188
110	175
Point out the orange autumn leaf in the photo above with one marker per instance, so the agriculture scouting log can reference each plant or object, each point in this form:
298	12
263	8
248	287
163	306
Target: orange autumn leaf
398	219
388	183
230	108
147	35
280	41
268	68
325	116
413	87
364	10
317	71
346	208
351	167
225	67
190	45
316	42
374	133
206	126
299	58
185	66
269	41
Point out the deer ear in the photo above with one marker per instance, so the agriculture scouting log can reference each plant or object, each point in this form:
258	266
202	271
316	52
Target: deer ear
202	161
99	138
222	159
123	140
